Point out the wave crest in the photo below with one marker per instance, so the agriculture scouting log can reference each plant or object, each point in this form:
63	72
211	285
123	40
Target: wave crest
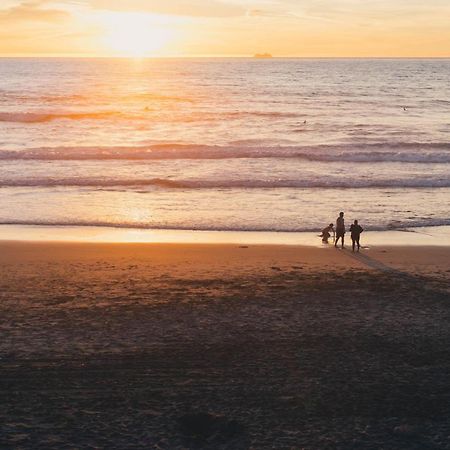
400	225
318	182
355	153
48	117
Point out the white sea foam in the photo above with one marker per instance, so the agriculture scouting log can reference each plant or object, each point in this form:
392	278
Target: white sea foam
395	225
161	183
414	152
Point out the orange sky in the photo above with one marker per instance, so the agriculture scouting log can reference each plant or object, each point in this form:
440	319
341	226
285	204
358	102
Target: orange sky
225	27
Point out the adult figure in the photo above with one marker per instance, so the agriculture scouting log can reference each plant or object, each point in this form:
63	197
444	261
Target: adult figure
355	231
340	229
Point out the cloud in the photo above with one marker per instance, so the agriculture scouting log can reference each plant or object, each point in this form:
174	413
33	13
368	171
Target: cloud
374	12
196	8
271	13
32	11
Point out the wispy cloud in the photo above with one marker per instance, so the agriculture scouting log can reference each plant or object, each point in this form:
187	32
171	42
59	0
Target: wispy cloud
375	12
196	8
33	11
272	13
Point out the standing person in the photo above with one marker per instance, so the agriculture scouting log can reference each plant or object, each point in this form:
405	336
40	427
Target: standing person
355	231
340	229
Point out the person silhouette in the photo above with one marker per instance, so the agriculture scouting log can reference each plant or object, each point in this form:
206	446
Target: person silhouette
340	229
326	233
355	230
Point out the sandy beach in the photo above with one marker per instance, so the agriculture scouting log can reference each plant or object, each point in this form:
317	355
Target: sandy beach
223	346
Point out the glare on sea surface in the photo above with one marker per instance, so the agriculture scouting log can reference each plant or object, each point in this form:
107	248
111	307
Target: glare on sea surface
136	35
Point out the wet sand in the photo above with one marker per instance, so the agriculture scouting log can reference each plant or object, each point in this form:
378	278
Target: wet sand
223	346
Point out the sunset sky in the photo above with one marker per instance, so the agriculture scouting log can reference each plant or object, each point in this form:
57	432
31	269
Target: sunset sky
225	27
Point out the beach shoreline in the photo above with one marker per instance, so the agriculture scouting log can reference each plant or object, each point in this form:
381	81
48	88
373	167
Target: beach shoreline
424	236
204	259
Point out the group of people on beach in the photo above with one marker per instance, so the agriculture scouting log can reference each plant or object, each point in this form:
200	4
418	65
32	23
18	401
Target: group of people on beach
339	232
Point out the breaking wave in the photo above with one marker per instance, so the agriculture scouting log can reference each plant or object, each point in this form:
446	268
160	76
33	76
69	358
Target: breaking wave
317	182
48	117
398	225
43	117
356	153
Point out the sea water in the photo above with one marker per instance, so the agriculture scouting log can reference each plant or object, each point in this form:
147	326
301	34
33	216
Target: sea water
225	144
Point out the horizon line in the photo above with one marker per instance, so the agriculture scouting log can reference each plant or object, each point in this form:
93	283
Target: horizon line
90	56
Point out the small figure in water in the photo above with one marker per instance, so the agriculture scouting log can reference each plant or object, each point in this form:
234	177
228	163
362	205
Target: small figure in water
340	229
326	233
356	231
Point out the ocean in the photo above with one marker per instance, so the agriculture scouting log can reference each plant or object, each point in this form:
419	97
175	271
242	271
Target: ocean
225	144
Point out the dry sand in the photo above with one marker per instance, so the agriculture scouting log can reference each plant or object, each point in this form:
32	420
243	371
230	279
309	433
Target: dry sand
223	346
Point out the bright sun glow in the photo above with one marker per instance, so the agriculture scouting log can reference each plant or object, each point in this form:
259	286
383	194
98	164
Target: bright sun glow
130	34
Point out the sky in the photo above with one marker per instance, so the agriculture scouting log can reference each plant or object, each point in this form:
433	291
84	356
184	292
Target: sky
305	28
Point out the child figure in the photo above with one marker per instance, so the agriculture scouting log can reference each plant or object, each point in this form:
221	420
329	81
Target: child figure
355	231
326	233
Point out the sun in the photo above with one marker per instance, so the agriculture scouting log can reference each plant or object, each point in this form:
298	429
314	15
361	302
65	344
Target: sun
136	35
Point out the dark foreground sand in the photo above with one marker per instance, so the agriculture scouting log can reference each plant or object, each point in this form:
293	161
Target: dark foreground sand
203	346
